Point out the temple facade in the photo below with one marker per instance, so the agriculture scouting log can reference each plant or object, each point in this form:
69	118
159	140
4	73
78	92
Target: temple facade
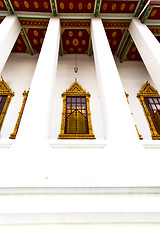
79	119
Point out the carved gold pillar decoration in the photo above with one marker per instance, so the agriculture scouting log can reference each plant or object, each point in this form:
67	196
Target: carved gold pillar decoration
76	123
5	91
139	135
13	135
148	91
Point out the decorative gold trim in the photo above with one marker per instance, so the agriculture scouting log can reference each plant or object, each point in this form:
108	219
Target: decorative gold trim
139	135
76	90
148	91
6	91
14	134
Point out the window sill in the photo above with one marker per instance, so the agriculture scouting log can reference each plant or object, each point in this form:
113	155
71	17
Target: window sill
67	143
5	143
151	144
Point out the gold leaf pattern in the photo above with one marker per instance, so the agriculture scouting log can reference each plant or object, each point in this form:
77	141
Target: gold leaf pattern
26	4
131	7
45	5
122	7
67	42
114	6
62	5
80	33
114	34
153	13
16	4
75	42
80	6
36	5
70	33
35	41
70	5
89	6
104	6
35	33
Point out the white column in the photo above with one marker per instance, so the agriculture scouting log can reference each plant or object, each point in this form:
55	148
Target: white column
117	116
36	117
9	31
148	47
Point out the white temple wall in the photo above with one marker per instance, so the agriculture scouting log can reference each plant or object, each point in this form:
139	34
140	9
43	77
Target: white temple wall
134	75
82	231
86	76
18	73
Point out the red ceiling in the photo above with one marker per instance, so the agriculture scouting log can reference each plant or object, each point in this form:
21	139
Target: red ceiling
20	46
118	6
2	6
41	23
75	33
116	23
31	5
78	6
133	54
114	37
155	13
75	23
36	37
75	40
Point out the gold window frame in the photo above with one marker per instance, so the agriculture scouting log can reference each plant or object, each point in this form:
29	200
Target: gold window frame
14	134
149	91
76	90
5	91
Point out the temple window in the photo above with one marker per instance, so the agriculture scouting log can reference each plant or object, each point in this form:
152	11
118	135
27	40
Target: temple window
150	101
5	97
76	116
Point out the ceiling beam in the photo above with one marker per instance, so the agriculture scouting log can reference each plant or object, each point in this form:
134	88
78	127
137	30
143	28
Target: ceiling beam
26	41
122	43
97	7
126	50
9	6
90	48
146	14
139	9
54	7
61	47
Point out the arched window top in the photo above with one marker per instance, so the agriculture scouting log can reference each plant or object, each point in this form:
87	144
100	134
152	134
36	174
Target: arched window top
75	90
6	95
150	101
76	116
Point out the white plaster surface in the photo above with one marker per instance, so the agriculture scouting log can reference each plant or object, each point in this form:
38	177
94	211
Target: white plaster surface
86	77
82	231
18	73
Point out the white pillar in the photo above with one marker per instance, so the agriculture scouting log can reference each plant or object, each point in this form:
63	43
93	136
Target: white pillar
36	117
9	31
148	47
117	116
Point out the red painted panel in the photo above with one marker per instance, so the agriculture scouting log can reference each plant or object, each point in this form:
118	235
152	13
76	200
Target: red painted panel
31	5
155	13
75	41
36	37
20	46
75	23
34	22
114	37
75	6
116	23
2	6
133	54
118	6
158	38
1	19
